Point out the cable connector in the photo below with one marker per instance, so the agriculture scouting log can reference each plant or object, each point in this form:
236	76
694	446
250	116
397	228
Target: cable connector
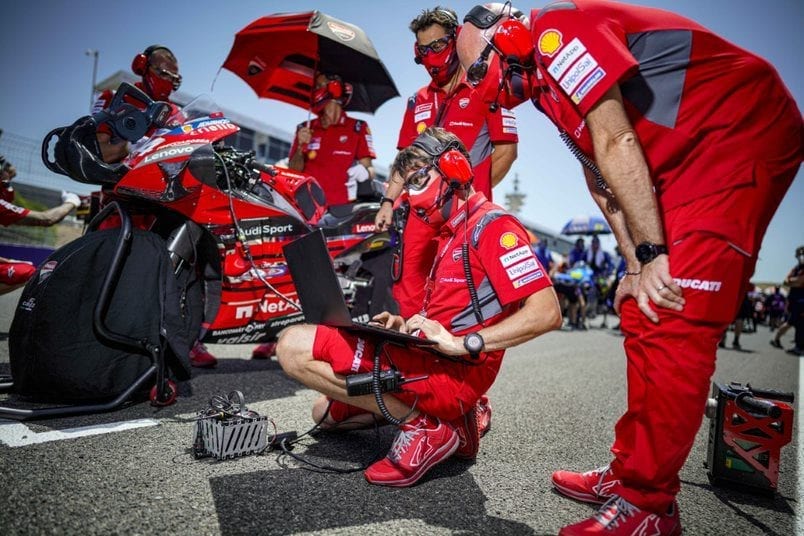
283	440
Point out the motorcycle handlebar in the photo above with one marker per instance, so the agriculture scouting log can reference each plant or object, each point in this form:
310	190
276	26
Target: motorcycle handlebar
758	406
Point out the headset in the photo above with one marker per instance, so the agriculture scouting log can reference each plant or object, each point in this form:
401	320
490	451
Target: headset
335	88
449	160
139	65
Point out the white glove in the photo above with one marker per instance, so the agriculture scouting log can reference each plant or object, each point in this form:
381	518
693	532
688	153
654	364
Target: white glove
357	173
69	197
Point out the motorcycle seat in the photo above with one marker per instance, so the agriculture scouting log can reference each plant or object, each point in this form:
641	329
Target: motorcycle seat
337	215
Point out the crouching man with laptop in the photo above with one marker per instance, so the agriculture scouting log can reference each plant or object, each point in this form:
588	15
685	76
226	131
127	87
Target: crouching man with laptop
486	291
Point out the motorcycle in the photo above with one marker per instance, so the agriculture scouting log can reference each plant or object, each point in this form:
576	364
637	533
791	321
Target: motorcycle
224	215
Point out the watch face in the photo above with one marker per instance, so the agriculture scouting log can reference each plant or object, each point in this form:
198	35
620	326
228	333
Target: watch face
473	343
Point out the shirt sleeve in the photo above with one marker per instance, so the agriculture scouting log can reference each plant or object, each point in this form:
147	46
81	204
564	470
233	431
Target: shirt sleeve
10	213
584	55
365	143
502	126
509	262
407	132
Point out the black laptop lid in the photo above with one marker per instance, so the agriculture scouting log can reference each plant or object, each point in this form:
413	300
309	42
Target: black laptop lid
316	283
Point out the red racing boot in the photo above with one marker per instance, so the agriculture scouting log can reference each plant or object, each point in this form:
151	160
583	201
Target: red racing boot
419	445
592	486
200	356
619	517
470	427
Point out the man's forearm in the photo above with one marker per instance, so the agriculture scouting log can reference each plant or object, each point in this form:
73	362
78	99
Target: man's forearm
296	161
616	219
619	156
502	158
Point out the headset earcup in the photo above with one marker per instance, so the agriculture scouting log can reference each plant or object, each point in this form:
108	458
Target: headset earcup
139	64
455	167
335	88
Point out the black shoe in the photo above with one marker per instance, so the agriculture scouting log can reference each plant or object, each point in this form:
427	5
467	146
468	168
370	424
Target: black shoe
721	344
795	351
775	343
736	345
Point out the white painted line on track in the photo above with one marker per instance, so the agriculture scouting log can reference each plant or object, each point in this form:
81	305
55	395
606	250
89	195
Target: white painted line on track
16	434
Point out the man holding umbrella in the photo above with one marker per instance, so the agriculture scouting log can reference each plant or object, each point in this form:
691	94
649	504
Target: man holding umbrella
334	148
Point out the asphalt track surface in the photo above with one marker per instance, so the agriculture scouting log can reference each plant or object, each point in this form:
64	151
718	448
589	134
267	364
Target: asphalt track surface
555	403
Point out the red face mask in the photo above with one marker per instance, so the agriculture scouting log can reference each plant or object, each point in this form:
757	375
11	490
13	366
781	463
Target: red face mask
441	66
158	88
430	201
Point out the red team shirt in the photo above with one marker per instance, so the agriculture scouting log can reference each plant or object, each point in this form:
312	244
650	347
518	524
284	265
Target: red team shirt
332	151
11	213
505	272
696	101
466	114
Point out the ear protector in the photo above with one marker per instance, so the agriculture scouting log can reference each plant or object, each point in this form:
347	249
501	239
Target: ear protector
514	42
449	160
335	88
139	64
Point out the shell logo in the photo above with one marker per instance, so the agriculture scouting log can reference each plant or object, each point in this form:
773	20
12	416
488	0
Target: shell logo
508	240
311	155
421	127
549	42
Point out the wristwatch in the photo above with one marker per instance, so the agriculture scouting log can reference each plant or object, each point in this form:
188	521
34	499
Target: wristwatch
647	251
474	344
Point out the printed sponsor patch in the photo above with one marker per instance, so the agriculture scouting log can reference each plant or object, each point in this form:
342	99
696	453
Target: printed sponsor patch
505	112
530	278
314	145
550	42
343	138
699	284
565	58
47	269
509	130
587	85
509	240
525	267
423	107
457	253
577	73
516	255
311	155
509	122
421	116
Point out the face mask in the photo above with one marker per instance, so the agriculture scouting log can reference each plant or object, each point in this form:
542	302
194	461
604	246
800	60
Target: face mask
443	65
159	88
433	201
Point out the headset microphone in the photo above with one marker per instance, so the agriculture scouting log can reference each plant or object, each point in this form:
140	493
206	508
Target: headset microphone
417	60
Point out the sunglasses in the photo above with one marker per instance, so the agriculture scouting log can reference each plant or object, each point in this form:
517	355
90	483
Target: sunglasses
435	46
418	179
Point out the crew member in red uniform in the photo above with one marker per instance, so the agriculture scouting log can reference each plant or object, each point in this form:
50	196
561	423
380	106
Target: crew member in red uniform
689	144
15	273
487	129
159	70
335	149
515	302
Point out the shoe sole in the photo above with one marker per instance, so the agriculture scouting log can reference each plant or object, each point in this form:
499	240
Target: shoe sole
444	452
579	495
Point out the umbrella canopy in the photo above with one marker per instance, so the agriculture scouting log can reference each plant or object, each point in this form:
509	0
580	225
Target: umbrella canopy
280	55
586	225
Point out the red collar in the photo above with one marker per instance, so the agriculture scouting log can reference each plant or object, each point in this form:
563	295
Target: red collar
472	204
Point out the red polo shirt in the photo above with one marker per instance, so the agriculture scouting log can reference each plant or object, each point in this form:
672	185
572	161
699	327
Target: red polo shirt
11	213
504	268
332	151
465	112
706	112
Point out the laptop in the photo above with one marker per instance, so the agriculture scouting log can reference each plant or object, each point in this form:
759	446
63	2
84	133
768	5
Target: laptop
320	292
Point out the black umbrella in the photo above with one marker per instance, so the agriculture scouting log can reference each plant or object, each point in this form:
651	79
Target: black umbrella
280	55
